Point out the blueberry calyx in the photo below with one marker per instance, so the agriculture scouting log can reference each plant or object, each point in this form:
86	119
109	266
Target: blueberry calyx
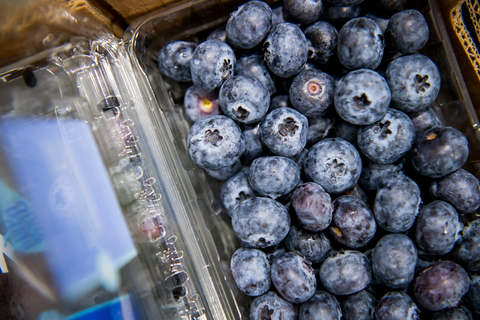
241	113
288	127
242	196
267	52
383	129
421	84
226	68
361	101
314	88
213	137
266	313
335	167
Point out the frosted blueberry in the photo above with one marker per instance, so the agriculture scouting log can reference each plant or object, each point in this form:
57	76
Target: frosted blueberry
272	306
251	271
174	60
236	190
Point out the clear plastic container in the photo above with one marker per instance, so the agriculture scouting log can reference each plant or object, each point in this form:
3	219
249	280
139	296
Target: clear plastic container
183	240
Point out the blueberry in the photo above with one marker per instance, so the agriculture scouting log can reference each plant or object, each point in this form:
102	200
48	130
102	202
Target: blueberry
260	222
334	164
357	192
407	31
438	228
362	97
392	5
272	306
360	306
225	172
393	260
460	188
254	147
397	203
353	224
472	298
215	142
244	99
251	271
439	151
318	129
249	25
252	66
174	60
285	50
467	249
311	92
397	305
322	39
313	246
280	101
425	120
274	252
212	63
279	15
381	22
373	173
458	313
284	131
441	285
293	277
273	176
199	103
304	11
339	15
388	139
346	273
219	34
344	3
321	306
236	190
346	131
360	44
312	206
414	81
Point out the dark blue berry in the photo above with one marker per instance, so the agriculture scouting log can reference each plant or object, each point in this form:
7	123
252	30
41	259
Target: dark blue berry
360	306
344	3
236	190
280	101
251	271
318	129
340	15
467	249
249	25
272	306
174	60
407	31
458	313
293	277
322	305
254	147
313	206
425	120
215	142
304	11
311	245
346	273
322	39
219	34
373	173
381	22
260	222
472	298
252	66
199	103
397	305
225	172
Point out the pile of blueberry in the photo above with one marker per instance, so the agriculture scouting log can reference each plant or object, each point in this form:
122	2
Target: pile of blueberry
344	188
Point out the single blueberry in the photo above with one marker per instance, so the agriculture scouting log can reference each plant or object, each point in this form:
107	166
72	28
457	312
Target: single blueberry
458	313
388	139
438	228
346	131
322	39
360	44
272	306
472	298
236	190
392	5
397	203
425	120
407	31
279	15
393	260
439	151
304	11
174	60
414	81
293	277
346	273
252	66
313	206
219	34
362	97
285	50
260	222
381	22
225	173
212	63
274	252
318	129
249	25
244	99
357	192
344	3
215	142
334	164
340	15
467	249
322	305
199	103
311	245
273	176
441	285
254	147
279	101
284	131
460	188
311	92
397	305
251	271
353	223
360	306
373	173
